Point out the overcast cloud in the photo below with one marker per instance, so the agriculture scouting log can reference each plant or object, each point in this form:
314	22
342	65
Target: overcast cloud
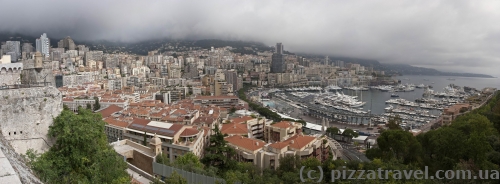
454	35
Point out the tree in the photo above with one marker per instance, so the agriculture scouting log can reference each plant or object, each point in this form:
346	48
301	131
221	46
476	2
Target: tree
394	122
97	106
65	107
356	144
311	163
233	110
162	158
188	159
350	133
289	164
145	140
236	176
219	154
175	178
400	145
332	130
81	153
89	107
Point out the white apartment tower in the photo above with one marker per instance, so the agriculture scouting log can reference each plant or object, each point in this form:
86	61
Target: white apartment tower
43	45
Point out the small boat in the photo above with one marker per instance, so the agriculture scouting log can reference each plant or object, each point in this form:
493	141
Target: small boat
394	95
452	79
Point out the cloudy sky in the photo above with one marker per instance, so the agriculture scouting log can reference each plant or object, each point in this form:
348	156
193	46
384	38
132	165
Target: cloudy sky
454	35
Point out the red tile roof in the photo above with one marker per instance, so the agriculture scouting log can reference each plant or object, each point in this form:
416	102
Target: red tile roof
116	122
241	119
247	143
141	121
297	142
189	132
234	128
110	110
282	124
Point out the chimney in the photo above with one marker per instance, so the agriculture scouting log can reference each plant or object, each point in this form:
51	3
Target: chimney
292	142
257	143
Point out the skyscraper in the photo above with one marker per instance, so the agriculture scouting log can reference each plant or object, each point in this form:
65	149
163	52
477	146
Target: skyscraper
27	47
340	64
12	48
67	43
279	48
278	61
43	45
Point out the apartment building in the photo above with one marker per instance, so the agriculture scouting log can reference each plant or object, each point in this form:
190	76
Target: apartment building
221	101
451	113
281	131
268	155
73	104
222	88
252	127
177	139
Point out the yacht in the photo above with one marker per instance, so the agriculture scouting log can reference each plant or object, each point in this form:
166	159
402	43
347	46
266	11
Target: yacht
420	86
386	88
334	87
389	109
394	95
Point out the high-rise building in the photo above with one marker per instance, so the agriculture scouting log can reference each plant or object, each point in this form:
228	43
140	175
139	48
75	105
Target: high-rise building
67	43
12	48
340	64
27	47
43	45
279	48
232	78
278	61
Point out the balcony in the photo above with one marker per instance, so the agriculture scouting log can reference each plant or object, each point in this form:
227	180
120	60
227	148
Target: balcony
306	152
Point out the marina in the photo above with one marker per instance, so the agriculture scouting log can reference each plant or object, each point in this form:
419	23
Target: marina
414	105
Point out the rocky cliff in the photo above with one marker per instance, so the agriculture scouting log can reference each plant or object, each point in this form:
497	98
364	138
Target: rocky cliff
25	117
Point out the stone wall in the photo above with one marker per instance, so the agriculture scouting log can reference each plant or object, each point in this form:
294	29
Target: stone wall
142	162
10	73
26	114
13	168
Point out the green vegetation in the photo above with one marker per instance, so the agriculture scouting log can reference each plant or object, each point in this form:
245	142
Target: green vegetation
472	142
263	110
332	131
350	133
97	106
145	139
175	179
394	123
80	154
219	154
232	110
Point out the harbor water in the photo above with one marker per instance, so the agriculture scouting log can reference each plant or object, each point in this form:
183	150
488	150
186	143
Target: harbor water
376	99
